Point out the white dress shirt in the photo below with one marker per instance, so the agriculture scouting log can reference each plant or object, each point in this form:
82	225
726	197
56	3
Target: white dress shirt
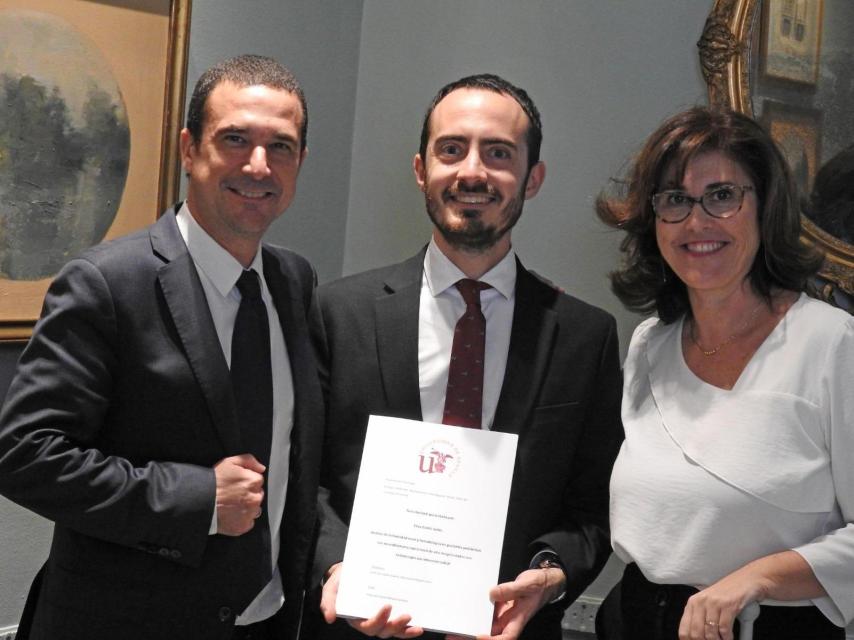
441	306
219	271
709	479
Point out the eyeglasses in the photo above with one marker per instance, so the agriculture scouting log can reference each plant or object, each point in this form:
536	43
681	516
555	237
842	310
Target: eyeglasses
721	202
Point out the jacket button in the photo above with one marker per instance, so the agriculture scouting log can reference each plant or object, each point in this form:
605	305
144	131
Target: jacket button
224	614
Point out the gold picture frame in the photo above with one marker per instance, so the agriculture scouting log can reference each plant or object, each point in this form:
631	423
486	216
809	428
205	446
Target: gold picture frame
144	45
727	49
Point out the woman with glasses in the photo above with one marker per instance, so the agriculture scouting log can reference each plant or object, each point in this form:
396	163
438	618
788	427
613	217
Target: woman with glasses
735	483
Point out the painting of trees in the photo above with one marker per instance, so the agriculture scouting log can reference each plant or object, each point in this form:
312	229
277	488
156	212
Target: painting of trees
63	168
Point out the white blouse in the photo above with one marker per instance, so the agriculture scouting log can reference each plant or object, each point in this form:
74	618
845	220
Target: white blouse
709	479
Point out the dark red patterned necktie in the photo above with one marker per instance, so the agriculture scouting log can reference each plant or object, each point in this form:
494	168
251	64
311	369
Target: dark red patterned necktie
464	396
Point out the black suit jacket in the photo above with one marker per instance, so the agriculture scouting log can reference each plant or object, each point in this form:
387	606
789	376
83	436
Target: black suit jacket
120	407
561	395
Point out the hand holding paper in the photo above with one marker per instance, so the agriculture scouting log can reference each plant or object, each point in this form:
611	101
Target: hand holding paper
427	527
516	602
379	625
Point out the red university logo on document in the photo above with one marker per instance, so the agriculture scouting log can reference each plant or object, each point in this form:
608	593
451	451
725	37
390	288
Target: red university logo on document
439	456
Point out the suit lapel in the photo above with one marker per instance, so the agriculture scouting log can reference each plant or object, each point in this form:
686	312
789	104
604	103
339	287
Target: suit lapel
188	306
531	340
396	312
292	318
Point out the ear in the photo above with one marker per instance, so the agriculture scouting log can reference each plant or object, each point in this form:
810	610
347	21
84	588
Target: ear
418	170
535	179
187	147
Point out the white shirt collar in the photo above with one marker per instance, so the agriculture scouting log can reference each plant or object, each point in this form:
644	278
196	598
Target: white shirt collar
441	273
217	263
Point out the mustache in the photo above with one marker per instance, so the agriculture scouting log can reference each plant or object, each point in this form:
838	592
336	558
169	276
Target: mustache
248	184
477	188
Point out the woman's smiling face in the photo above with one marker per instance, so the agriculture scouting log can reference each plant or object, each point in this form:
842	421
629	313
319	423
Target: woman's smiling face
712	256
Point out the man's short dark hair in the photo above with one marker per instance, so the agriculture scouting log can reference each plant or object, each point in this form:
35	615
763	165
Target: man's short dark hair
497	84
244	71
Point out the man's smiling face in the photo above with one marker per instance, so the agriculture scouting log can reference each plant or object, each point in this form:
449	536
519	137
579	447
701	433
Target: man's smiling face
243	170
475	176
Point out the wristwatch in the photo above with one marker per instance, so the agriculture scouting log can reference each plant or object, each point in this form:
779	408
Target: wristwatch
547	559
550	563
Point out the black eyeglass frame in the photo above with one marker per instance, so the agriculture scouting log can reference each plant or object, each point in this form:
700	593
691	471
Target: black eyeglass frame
744	188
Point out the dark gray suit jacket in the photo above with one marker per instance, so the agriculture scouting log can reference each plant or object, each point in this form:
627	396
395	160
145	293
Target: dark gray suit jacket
561	395
121	405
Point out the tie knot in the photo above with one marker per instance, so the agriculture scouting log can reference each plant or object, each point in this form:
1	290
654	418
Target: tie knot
470	290
249	285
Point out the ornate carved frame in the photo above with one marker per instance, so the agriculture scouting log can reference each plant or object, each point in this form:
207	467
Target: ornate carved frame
725	62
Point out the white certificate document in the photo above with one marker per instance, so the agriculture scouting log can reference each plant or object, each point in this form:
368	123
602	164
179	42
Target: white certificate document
428	524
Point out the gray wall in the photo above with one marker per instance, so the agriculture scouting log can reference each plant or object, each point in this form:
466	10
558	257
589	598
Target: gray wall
24	537
319	41
603	74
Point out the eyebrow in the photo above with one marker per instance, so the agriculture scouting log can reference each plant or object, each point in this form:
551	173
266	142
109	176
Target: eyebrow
671	186
242	130
487	141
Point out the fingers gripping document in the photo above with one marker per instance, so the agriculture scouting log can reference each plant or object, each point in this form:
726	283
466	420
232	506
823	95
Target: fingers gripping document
428	524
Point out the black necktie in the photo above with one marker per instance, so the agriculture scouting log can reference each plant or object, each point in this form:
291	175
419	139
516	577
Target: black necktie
252	383
251	370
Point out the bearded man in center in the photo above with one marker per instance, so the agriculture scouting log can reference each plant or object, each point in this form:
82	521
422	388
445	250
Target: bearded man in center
550	366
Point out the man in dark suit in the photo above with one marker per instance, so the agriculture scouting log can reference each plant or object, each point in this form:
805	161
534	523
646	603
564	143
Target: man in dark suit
551	371
166	414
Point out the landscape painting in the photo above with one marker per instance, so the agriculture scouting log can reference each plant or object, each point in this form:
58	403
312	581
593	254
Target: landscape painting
64	145
91	96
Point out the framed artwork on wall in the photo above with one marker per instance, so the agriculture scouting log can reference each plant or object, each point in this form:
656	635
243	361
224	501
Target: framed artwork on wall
791	40
91	101
797	131
730	41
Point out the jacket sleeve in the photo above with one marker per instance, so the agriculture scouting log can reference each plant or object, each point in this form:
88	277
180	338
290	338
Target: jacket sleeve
55	422
332	536
831	556
582	540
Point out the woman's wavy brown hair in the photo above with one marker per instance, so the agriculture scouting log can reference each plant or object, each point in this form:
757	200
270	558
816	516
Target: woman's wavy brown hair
645	283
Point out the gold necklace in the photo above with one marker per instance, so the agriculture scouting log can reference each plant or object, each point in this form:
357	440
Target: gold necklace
709	353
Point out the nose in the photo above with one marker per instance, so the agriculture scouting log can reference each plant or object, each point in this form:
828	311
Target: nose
472	169
697	216
257	166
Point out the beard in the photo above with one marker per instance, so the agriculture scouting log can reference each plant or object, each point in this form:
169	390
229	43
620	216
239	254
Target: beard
472	234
